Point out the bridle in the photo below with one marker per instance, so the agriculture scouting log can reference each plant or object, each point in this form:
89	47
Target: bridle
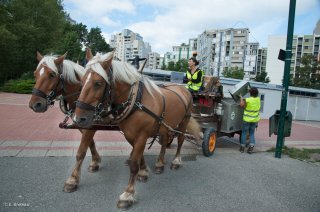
105	101
50	98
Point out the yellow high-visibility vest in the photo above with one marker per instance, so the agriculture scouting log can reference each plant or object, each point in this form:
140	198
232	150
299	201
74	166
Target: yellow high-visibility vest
192	85
251	112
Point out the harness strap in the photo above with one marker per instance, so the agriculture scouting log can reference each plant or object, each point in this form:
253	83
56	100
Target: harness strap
85	106
160	122
166	87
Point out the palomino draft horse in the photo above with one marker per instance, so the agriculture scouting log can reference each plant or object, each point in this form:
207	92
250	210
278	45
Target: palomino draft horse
56	76
114	92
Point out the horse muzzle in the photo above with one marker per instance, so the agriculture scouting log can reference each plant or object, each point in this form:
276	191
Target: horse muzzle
38	106
83	120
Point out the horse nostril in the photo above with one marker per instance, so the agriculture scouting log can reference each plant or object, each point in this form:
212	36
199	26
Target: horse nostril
38	105
82	119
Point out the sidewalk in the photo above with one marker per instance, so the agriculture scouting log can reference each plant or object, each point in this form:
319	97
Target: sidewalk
28	134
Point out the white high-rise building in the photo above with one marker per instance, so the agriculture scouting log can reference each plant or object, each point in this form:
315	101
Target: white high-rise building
154	61
250	61
128	45
301	45
221	49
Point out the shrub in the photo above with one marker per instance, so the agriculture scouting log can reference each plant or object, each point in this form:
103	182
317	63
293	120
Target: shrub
23	86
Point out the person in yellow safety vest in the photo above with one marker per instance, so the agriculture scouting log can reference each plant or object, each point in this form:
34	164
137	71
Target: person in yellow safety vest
251	117
194	76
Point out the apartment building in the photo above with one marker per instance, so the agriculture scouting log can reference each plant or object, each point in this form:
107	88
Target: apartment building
129	44
261	60
301	45
154	61
222	48
250	60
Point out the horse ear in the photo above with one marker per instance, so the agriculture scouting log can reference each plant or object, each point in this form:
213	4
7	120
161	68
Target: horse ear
60	59
107	62
89	55
39	56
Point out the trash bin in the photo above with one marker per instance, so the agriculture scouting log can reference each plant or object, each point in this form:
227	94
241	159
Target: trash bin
274	123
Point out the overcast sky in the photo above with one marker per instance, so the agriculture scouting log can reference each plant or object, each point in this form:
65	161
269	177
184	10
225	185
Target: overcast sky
165	23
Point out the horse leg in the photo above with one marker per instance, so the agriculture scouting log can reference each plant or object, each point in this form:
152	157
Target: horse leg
72	182
127	162
143	173
161	160
176	163
127	199
96	159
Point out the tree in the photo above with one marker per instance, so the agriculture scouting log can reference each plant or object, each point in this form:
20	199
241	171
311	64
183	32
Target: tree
73	41
171	66
233	72
262	77
308	74
181	65
27	26
96	42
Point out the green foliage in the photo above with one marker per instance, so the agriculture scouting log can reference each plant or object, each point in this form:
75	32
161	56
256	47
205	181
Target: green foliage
233	72
262	77
171	66
72	41
96	42
180	66
23	86
308	74
301	154
28	26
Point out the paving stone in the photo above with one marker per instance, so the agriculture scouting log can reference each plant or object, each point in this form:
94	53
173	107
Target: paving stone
58	153
32	153
39	144
15	143
9	153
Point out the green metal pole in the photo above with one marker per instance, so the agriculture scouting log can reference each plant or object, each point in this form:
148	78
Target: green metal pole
286	78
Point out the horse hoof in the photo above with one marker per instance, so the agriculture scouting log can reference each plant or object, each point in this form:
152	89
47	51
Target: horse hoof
159	170
69	188
142	179
124	204
93	169
174	166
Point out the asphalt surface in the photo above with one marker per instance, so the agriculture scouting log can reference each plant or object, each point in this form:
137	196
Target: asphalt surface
225	182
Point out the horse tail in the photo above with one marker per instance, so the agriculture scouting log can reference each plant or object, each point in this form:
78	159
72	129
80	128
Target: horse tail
193	128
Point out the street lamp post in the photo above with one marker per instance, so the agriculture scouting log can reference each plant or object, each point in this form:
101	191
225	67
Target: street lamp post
286	77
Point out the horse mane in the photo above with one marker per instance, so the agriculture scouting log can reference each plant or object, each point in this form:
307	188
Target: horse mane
122	71
69	68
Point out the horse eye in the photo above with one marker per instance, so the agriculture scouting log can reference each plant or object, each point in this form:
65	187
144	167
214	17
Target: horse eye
98	84
52	75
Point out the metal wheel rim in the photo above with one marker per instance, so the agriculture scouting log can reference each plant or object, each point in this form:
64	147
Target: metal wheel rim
212	142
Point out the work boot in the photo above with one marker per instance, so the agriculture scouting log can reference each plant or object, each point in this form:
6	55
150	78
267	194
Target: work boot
241	149
250	149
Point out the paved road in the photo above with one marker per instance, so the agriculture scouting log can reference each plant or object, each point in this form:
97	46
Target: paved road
228	181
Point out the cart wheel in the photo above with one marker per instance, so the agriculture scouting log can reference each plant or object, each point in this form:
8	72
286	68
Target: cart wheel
209	141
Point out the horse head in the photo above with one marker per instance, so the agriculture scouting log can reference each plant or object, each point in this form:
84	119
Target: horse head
96	87
47	76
